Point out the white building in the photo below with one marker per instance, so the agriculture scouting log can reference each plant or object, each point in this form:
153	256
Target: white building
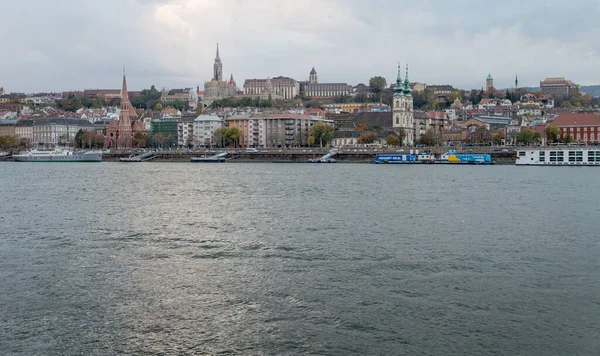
204	130
403	117
55	131
185	131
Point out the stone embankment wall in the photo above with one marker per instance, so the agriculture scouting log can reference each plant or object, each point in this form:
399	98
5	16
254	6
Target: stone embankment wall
290	157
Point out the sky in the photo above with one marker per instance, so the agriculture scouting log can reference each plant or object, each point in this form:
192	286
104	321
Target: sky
84	44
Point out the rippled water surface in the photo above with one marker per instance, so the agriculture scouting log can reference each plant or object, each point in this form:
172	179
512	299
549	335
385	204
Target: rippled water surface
297	259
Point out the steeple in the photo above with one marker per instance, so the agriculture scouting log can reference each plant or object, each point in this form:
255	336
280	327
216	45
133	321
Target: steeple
407	89
398	88
218	67
124	94
516	81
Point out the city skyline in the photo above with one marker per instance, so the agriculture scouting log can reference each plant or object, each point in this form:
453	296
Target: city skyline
171	43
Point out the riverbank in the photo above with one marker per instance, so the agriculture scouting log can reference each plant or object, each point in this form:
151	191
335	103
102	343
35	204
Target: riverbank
286	157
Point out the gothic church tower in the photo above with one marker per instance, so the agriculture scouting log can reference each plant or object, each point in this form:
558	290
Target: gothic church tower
218	67
402	108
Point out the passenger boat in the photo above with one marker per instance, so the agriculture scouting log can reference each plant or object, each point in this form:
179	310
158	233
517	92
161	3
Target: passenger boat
450	157
559	157
58	155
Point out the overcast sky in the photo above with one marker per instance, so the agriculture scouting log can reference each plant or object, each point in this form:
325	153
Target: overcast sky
76	44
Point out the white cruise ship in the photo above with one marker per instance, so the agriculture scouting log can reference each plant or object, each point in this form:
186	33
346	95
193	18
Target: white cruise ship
559	157
58	155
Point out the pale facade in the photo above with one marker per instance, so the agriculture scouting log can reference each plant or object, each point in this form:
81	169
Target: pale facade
402	110
185	132
217	88
274	130
286	88
314	89
204	130
56	131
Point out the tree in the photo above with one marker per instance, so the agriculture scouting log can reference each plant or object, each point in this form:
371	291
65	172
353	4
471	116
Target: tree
568	139
220	136
361	127
140	139
378	84
159	139
158	107
321	133
528	136
428	138
393	140
480	135
401	136
552	133
79	138
190	140
367	137
232	136
498	137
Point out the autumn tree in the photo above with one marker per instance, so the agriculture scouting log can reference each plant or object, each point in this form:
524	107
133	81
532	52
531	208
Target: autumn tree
498	137
552	133
159	139
140	139
367	137
362	127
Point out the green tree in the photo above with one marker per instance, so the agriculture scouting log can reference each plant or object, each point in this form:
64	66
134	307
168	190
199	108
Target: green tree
79	138
321	133
528	136
568	139
158	107
232	135
367	137
378	84
220	136
552	133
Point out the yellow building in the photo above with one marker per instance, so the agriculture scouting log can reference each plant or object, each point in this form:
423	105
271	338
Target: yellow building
356	107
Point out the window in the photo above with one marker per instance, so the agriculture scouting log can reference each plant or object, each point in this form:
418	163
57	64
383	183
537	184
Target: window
542	156
521	153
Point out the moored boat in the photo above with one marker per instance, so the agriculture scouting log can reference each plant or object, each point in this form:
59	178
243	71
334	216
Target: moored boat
58	155
558	157
450	157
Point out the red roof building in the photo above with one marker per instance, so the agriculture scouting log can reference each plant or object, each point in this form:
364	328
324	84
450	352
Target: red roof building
582	127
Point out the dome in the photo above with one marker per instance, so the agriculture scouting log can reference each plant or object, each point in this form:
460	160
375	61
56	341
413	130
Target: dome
489	77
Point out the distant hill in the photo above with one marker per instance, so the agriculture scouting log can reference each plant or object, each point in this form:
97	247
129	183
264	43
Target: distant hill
593	90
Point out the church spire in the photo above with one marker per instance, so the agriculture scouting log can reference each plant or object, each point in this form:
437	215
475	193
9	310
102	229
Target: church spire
407	89
124	94
218	67
516	81
398	88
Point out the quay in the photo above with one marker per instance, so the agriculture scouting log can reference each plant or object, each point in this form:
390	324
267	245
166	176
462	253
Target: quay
303	155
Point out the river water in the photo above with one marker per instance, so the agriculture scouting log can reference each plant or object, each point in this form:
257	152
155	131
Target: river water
298	259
